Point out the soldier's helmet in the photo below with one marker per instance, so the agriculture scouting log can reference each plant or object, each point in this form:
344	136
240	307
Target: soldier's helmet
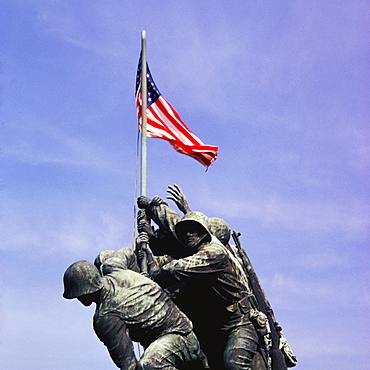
81	278
102	256
196	219
220	229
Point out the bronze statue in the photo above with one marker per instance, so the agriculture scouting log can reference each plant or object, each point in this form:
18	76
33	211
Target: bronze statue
167	220
131	307
212	290
198	276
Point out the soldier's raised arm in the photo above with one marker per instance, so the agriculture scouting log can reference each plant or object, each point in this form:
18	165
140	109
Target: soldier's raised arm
179	198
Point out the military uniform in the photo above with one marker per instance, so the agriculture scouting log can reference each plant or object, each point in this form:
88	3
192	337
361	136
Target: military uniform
131	307
124	258
211	288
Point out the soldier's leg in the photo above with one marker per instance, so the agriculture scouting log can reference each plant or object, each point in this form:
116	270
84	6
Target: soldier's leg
240	348
259	363
172	351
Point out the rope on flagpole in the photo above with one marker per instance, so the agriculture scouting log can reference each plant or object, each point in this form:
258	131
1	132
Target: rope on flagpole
135	191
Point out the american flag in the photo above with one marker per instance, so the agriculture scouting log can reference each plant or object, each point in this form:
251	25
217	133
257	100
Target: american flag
164	122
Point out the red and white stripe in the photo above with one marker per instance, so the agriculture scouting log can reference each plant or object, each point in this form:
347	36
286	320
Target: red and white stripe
163	122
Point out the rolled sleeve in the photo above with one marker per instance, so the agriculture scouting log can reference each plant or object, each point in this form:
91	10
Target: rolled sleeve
112	331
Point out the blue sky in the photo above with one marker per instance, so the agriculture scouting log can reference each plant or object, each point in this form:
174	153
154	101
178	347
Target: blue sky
281	88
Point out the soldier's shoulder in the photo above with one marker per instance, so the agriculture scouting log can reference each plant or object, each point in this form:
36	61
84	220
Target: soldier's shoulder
215	247
216	243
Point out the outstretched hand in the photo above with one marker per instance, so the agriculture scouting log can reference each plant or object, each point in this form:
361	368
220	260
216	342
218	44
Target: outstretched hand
179	198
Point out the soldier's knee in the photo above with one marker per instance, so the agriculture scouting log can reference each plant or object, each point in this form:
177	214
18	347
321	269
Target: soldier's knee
238	360
145	364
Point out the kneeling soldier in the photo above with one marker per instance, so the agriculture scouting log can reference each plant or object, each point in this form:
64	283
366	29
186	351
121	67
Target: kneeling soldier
131	307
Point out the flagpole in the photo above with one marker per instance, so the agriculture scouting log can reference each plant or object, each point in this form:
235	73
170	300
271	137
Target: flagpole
144	260
143	114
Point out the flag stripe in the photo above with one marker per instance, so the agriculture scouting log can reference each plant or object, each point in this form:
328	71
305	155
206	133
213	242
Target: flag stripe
178	124
165	123
174	128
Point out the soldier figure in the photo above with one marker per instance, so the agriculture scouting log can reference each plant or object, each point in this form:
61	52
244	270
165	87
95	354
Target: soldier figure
131	307
210	287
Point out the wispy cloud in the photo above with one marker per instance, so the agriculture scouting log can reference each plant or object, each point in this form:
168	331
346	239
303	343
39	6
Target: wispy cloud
289	293
84	229
43	143
323	260
351	218
90	27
